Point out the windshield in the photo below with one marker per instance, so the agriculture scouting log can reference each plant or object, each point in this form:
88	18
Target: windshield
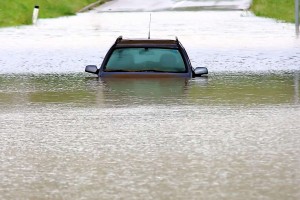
145	59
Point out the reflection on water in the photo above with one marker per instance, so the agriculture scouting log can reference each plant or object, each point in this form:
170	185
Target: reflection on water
216	89
224	136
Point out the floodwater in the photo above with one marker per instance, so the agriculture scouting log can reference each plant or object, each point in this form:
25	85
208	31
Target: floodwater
234	134
158	5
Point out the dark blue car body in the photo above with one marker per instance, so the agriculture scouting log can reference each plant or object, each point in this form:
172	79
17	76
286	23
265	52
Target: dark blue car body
170	45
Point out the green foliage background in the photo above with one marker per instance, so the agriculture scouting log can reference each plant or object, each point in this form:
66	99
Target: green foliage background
19	12
278	9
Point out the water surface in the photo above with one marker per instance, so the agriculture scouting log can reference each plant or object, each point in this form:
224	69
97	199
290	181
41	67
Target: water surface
231	135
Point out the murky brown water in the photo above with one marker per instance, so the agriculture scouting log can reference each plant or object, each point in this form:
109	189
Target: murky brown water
225	136
232	135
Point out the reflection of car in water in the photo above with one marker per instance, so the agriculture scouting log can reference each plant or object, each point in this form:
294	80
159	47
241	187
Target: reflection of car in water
144	90
146	57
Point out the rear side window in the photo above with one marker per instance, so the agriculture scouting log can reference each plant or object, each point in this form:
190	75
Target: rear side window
146	59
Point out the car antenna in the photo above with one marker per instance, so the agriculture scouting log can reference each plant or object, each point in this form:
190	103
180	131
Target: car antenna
149	27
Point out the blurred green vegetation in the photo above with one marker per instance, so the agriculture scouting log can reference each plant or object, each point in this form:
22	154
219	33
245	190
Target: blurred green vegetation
19	12
278	9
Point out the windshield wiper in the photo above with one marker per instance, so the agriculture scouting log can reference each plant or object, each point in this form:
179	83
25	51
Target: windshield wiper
119	70
150	70
146	70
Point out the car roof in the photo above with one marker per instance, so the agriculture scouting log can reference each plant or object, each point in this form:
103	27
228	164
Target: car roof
162	43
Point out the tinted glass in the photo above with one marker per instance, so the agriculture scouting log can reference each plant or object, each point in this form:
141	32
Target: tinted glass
145	59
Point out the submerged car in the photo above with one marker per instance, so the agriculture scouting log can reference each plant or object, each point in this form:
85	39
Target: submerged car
146	57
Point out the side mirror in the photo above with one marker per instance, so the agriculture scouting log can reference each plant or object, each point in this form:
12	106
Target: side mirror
91	69
198	71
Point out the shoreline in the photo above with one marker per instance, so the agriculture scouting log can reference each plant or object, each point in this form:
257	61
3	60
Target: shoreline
19	12
92	6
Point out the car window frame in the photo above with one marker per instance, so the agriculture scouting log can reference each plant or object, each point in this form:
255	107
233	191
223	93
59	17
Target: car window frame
110	52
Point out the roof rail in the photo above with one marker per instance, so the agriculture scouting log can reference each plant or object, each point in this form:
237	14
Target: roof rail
118	39
178	42
176	38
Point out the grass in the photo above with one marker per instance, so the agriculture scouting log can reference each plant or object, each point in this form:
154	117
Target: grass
278	9
19	12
